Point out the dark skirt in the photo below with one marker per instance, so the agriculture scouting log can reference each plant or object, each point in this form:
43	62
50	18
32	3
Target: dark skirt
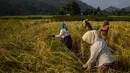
105	67
68	42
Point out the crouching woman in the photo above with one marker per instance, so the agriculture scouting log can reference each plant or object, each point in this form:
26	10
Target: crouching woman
99	52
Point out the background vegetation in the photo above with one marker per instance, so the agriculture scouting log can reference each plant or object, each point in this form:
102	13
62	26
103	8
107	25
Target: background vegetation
26	46
68	18
57	7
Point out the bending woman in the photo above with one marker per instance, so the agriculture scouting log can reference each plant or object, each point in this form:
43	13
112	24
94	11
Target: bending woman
99	51
104	30
87	24
65	35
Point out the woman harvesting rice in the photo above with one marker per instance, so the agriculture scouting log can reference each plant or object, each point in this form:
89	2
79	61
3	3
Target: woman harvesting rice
99	51
103	33
64	33
104	30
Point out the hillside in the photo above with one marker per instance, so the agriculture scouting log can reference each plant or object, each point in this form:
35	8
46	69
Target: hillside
111	8
60	3
83	6
127	8
27	7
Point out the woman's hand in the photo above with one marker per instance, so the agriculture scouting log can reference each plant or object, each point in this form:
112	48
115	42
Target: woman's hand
53	36
84	66
88	67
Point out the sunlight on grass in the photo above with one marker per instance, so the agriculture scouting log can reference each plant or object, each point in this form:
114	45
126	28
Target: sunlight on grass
26	46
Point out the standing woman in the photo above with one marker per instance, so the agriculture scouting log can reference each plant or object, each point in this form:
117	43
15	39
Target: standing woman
104	30
99	52
103	33
65	35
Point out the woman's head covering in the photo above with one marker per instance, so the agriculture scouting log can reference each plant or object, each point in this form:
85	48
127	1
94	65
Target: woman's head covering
105	28
87	24
63	26
90	37
86	20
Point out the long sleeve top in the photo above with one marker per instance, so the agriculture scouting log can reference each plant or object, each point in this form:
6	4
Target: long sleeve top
63	33
100	53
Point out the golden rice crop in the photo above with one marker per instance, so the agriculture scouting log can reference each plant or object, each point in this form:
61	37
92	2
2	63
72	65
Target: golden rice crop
26	46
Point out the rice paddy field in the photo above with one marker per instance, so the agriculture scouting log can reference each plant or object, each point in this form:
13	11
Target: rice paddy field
26	46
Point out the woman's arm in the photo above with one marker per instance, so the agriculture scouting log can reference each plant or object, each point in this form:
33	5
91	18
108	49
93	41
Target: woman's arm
94	54
60	34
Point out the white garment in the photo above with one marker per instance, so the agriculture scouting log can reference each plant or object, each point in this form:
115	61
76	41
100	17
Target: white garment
90	37
99	49
63	33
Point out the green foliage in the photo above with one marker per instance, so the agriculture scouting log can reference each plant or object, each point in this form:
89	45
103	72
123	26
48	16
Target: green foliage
69	18
88	11
51	7
71	8
91	18
33	7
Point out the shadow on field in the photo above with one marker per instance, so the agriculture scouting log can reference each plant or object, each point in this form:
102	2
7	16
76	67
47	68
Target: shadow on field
76	47
122	64
76	44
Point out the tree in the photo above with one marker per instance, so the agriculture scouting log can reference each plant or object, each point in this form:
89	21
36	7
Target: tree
88	11
71	8
98	9
98	12
62	11
123	11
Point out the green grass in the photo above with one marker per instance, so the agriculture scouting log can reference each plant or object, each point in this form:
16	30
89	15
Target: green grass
27	17
26	47
68	18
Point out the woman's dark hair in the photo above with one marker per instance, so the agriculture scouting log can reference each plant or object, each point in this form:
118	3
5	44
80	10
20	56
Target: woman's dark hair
106	22
87	24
